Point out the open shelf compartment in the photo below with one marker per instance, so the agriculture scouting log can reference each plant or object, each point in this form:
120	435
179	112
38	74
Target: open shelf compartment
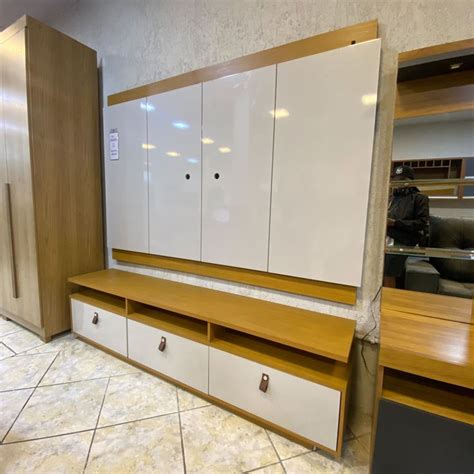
302	364
106	301
440	398
174	323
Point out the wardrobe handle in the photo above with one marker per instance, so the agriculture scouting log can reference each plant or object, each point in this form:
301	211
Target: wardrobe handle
162	345
8	206
264	383
187	176
95	319
217	176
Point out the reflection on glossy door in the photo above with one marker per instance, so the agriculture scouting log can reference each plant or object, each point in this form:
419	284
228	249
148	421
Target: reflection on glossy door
237	161
174	152
127	177
17	148
324	135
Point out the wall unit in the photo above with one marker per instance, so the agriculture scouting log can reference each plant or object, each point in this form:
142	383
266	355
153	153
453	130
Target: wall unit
237	168
425	385
126	176
285	368
322	163
51	205
286	142
174	156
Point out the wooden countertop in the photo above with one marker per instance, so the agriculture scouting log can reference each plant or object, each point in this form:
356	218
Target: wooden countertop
430	347
317	333
427	304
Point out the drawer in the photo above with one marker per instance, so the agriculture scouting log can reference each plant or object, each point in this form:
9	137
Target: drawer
181	359
303	407
109	331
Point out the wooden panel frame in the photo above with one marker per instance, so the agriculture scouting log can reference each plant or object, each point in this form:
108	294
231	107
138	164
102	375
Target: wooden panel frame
300	286
297	49
418	55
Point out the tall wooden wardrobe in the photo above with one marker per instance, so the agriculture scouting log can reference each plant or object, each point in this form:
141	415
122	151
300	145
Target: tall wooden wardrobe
50	173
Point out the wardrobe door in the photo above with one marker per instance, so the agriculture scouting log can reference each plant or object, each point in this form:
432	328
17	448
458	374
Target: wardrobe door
324	135
237	163
174	154
126	175
19	192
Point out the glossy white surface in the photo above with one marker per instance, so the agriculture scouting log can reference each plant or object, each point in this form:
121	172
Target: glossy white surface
303	407
110	330
174	155
322	163
183	360
126	179
237	119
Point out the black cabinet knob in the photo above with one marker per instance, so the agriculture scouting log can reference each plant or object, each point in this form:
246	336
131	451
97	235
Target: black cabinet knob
217	176
187	176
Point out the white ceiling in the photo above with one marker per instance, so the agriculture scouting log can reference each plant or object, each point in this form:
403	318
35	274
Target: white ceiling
43	10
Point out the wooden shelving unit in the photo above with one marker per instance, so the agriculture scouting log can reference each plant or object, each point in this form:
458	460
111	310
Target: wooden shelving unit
314	347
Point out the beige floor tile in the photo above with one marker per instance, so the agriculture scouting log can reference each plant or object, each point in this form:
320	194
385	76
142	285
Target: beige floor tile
188	401
66	342
312	463
84	362
21	341
286	448
11	404
359	423
62	454
59	409
217	441
23	371
5	352
273	469
9	327
137	396
146	446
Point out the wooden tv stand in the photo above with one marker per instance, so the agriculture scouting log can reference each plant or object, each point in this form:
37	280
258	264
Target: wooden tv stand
282	367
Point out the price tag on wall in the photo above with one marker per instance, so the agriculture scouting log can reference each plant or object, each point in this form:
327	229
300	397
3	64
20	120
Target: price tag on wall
113	144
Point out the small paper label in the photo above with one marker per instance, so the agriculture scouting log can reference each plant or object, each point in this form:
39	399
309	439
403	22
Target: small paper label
113	144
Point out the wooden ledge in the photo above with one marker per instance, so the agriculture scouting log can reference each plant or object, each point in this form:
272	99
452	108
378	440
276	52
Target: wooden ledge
430	347
316	333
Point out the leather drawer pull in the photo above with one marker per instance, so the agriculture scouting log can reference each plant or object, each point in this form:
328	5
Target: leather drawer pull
264	383
95	319
162	345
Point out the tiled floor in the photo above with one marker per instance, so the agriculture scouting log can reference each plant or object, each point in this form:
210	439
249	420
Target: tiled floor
68	407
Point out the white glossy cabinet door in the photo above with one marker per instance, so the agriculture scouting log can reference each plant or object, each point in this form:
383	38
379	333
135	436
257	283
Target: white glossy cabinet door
237	161
303	407
324	135
126	178
174	154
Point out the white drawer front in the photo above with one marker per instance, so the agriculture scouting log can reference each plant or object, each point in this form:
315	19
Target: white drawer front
301	406
110	330
182	359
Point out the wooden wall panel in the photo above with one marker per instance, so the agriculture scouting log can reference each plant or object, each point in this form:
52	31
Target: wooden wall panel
316	289
297	49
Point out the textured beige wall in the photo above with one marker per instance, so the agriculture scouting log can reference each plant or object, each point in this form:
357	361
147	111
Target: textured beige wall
144	41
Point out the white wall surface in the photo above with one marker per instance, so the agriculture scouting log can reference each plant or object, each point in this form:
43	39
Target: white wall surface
143	41
434	140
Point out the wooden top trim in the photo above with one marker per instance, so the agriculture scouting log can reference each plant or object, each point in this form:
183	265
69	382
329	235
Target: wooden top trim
426	304
321	334
430	347
300	286
297	49
408	58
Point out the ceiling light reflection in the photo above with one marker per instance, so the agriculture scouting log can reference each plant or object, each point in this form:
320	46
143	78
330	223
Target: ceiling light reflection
148	146
369	99
279	113
225	149
173	153
181	125
207	141
146	106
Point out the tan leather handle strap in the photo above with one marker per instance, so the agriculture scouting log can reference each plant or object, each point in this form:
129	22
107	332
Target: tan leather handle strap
8	205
